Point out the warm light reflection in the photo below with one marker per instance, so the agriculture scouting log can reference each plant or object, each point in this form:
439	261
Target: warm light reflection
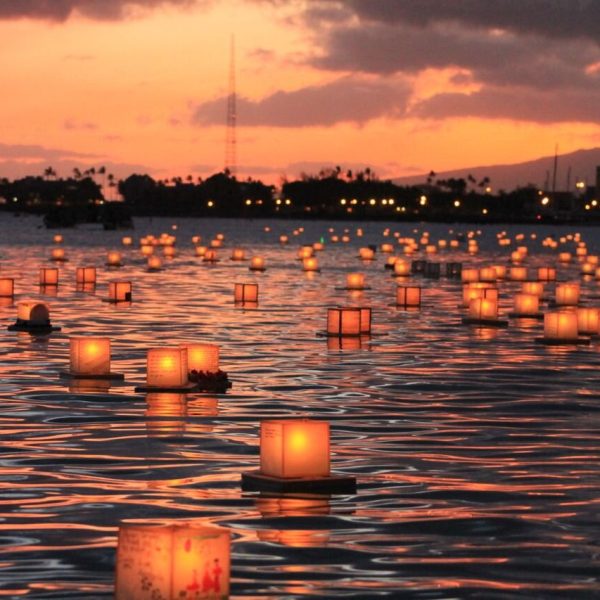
203	358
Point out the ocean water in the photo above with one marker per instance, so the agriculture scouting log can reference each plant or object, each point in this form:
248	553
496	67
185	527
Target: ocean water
476	450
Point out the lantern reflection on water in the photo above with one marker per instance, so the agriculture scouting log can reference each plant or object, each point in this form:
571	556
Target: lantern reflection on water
172	562
165	414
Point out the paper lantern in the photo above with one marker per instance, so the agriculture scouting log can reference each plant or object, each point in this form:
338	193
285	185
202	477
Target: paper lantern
588	321
216	243
387	248
561	325
58	254
479	290
431	249
408	296
119	291
113	259
366	253
567	294
526	304
89	356
283	239
172	562
154	263
210	256
200	250
85	275
147	250
483	309
564	257
500	271
487	274
310	264
588	268
344	321
305	252
58	239
202	357
533	287
127	240
318	246
7	287
169	251
238	254
469	275
33	313
401	268
167	367
48	276
196	239
245	292
257	263
294	448
581	252
517	257
517	273
355	281
546	274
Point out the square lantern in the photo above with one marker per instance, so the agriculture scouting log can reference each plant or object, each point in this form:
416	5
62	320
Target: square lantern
58	254
344	322
366	254
518	273
119	291
7	287
402	268
113	259
154	263
469	275
203	358
210	256
147	249
479	289
564	257
127	240
245	292
238	254
546	274
588	321
90	358
257	263
567	294
355	281
85	275
200	250
483	309
48	276
167	368
408	296
560	327
533	287
488	274
172	562
310	264
169	251
526	305
294	448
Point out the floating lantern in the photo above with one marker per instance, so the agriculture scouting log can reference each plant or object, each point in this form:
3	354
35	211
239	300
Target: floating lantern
366	254
58	239
344	322
483	309
390	262
33	316
588	321
147	249
127	241
238	254
166	368
90	358
169	251
119	291
58	255
7	287
469	275
318	246
85	275
355	281
203	367
310	264
210	256
113	259
387	248
48	276
154	263
517	273
588	268
172	562
567	294
546	274
487	274
526	305
533	287
431	249
500	271
454	244
560	327
401	268
305	252
581	252
257	263
517	257
200	250
479	290
283	239
245	292
408	296
216	243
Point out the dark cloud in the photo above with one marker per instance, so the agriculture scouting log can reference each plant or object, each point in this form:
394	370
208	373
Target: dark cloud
344	100
61	10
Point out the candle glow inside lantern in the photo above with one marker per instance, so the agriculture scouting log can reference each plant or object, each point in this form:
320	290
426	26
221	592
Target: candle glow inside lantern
561	326
200	250
483	309
402	268
479	290
154	263
310	264
127	240
113	259
7	287
119	291
48	276
533	287
172	562
147	249
387	248
58	239
487	274
355	281
169	251
58	254
526	305
546	274
202	358
85	275
245	292
238	254
344	321
588	321
366	253
408	296
469	275
210	255
564	257
167	368
257	263
518	273
567	294
89	356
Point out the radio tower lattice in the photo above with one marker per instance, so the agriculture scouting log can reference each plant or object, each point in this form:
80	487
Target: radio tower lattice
230	141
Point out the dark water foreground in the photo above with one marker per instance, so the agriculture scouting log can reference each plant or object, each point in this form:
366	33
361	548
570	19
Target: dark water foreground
476	450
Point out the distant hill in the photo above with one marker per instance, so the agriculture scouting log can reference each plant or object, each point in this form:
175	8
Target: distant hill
583	165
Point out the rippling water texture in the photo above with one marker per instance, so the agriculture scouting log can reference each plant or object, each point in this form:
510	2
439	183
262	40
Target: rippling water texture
476	450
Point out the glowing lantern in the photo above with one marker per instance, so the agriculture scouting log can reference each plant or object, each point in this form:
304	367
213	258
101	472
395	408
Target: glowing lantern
89	356
318	246
567	294
517	273
479	290
238	254
487	274
305	252
294	448
533	287
516	256
58	239
401	268
344	321
127	241
48	276
588	268
113	259
390	262
454	244
483	309
7	287
169	251
387	248
167	368
561	326
408	296
564	257
85	275
581	252
588	321
310	264
202	357
526	305
500	271
257	263
147	249
58	254
210	256
431	249
366	254
200	250
172	562
546	274
217	243
283	239
469	275
119	291
154	263
355	281
245	292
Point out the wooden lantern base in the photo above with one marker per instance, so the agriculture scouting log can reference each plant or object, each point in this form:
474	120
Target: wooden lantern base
104	377
20	325
324	334
149	389
485	322
352	289
579	341
311	270
111	301
515	315
258	269
255	481
58	259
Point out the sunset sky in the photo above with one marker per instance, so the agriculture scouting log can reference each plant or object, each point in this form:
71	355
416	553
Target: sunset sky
400	86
